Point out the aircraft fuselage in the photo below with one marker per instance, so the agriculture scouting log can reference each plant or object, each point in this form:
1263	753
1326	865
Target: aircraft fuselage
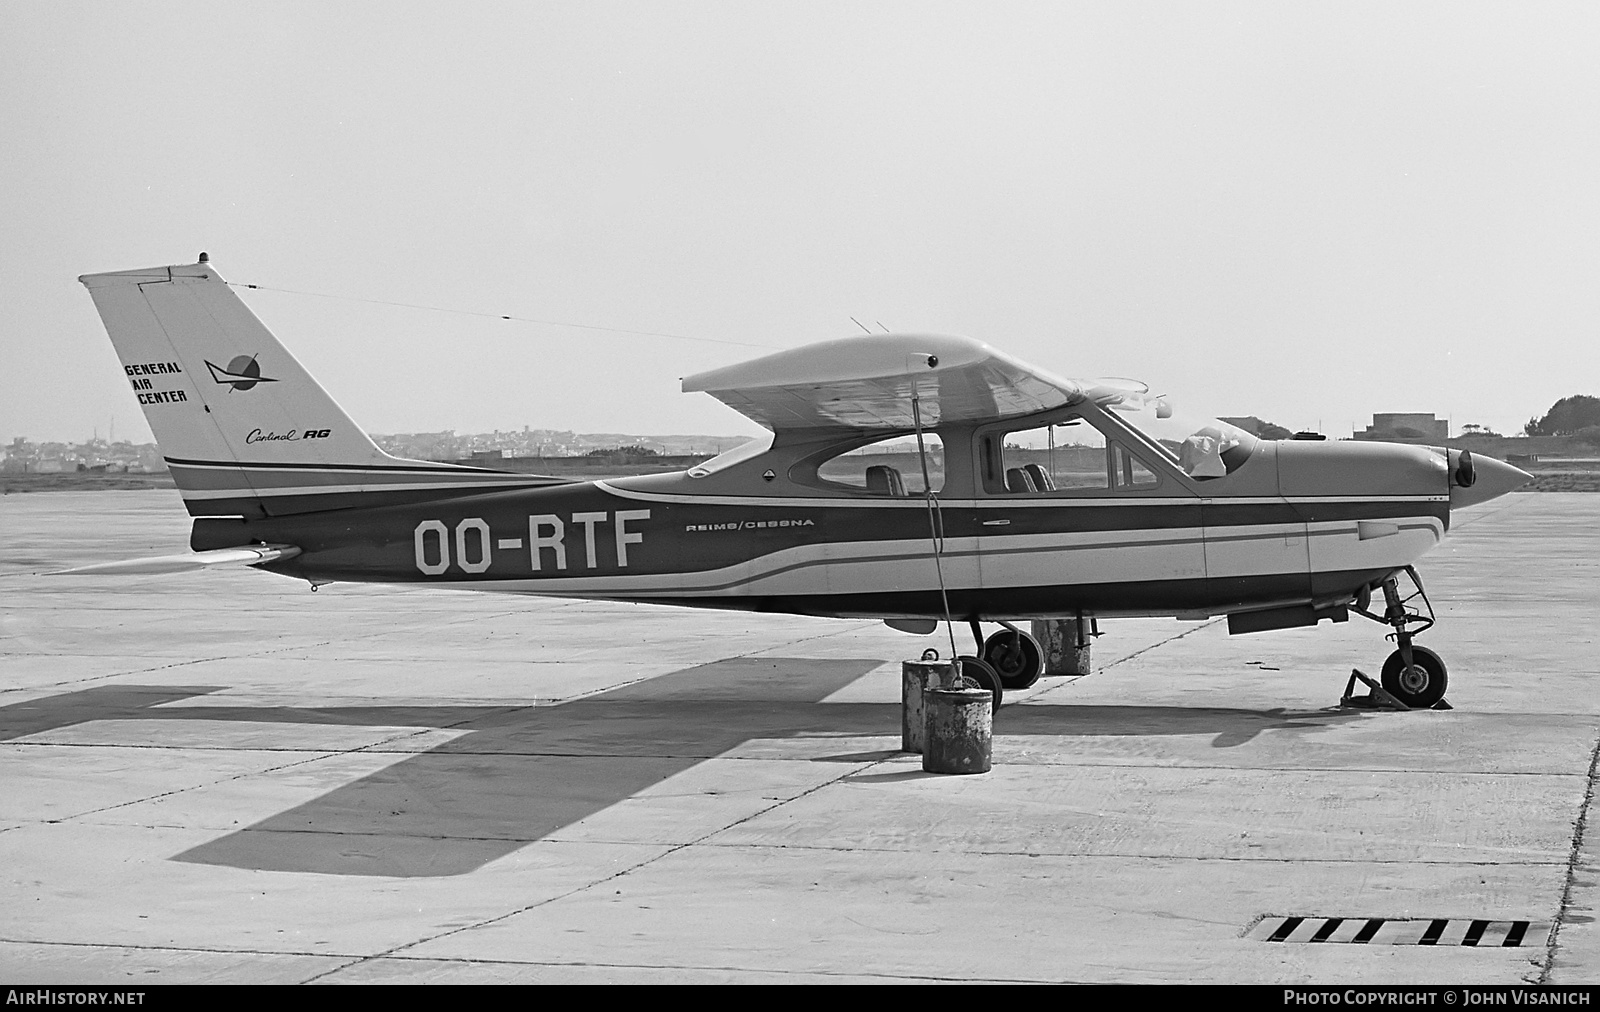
1301	523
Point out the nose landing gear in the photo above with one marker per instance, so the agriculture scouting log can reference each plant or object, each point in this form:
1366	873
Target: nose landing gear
1413	675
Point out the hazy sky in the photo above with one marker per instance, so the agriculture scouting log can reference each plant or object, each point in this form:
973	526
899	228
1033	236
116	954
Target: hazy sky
1308	212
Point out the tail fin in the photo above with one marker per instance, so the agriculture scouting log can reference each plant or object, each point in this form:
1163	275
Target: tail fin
244	428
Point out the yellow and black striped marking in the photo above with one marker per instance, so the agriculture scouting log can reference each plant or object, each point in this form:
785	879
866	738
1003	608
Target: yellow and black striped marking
1401	931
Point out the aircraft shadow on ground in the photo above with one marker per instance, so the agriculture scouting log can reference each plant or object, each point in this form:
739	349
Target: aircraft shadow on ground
519	774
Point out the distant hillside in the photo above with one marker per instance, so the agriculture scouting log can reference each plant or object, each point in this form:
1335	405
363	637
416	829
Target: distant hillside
12	483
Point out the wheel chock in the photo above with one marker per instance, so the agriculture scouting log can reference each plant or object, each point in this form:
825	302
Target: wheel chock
1378	699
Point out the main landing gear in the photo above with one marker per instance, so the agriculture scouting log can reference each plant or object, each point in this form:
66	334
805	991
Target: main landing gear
975	674
1010	659
1415	676
1015	656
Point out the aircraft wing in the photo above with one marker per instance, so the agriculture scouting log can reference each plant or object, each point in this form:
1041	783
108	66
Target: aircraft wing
866	383
253	555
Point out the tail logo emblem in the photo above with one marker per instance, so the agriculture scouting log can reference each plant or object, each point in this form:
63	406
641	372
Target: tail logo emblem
242	373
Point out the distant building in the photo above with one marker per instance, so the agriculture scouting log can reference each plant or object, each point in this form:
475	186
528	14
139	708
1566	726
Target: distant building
1406	425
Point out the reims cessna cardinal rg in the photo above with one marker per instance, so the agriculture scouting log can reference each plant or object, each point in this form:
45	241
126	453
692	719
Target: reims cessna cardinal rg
905	477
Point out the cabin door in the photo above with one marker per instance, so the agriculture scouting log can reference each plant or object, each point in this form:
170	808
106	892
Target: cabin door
1072	521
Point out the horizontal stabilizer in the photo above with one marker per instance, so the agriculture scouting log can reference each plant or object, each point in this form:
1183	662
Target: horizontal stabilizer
253	555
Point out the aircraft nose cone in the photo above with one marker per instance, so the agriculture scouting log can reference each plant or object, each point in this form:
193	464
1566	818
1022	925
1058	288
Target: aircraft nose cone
1494	479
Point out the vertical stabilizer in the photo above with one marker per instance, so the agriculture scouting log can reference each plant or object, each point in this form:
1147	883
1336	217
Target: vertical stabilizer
244	428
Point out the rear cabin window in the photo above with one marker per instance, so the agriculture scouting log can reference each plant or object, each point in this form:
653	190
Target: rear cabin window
1065	457
888	467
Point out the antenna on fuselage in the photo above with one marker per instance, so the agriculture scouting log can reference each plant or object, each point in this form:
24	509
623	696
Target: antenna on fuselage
863	326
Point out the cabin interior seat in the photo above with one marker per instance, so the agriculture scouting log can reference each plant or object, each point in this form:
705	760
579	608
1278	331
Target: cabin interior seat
1018	480
885	480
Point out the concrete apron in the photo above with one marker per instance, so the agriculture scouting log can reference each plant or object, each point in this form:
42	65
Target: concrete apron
246	782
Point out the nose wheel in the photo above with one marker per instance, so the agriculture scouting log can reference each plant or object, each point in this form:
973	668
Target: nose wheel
1415	676
1419	683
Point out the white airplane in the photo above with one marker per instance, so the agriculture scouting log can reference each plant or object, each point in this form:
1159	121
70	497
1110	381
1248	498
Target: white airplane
908	477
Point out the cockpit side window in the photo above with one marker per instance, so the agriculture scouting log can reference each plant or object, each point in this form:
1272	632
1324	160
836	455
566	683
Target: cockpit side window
888	467
1070	456
1129	472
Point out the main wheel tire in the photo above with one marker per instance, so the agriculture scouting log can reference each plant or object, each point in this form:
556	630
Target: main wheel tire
1015	656
975	674
1419	686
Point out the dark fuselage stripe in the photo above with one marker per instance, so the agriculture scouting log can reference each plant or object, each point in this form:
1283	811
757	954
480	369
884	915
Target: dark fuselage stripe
411	468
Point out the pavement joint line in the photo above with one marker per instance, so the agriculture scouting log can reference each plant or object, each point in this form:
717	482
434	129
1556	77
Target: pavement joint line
711	967
1073	680
1511	501
670	850
418	732
855	627
270	750
362	750
451	619
1170	767
458	838
312	756
150	947
852	848
1552	862
175	664
1574	856
1009	764
184	790
1170	639
156	947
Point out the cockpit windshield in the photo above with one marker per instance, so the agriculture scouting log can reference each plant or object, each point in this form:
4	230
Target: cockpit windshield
1203	447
